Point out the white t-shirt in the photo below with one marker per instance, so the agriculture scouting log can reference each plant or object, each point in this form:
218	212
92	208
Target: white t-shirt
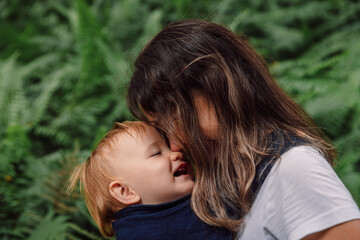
301	195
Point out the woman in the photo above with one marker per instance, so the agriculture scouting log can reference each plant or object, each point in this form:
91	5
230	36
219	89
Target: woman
213	96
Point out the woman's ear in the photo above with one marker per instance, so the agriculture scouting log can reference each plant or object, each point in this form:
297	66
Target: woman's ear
123	193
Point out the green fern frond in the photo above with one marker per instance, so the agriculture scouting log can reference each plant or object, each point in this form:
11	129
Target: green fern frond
51	227
88	32
49	86
114	61
39	64
8	76
84	232
151	27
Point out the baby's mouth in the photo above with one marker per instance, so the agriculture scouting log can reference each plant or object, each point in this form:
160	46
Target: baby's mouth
184	169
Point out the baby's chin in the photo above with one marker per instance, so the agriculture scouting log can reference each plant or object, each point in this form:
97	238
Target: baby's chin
187	191
190	189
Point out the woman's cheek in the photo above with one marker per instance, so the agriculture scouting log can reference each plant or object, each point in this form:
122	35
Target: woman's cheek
206	115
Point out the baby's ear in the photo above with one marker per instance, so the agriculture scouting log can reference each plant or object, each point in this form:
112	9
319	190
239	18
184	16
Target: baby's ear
123	193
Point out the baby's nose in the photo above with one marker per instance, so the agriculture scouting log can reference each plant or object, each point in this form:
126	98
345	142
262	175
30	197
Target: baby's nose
176	156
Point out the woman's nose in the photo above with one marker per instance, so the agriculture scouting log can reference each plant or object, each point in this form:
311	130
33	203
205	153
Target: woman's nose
176	156
175	147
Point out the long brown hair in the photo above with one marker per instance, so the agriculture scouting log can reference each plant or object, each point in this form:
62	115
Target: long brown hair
194	55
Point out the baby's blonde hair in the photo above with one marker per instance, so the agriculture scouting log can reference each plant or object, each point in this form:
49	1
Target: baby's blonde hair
96	174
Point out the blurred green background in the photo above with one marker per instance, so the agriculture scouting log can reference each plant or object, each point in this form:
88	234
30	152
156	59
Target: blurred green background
65	66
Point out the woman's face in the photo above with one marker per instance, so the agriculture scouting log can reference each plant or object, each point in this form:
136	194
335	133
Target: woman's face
206	116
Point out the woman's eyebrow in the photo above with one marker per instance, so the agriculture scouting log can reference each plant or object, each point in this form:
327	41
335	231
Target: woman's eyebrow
154	123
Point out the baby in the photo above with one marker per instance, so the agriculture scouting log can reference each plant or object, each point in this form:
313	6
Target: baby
137	188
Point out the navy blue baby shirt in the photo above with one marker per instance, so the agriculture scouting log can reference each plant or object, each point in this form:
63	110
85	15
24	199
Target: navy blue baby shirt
172	220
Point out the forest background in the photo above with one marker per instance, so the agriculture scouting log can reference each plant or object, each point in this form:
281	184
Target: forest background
65	66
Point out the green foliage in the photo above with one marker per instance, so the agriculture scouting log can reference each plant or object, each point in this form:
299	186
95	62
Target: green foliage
50	227
326	81
65	66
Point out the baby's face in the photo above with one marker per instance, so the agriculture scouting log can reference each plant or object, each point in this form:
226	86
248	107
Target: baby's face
148	166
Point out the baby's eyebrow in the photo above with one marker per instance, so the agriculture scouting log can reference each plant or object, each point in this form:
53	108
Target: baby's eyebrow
151	146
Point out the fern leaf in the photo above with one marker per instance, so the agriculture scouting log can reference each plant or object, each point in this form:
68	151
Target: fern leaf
51	227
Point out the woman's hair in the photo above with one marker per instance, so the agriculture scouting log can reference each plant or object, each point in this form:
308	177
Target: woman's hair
196	56
96	174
